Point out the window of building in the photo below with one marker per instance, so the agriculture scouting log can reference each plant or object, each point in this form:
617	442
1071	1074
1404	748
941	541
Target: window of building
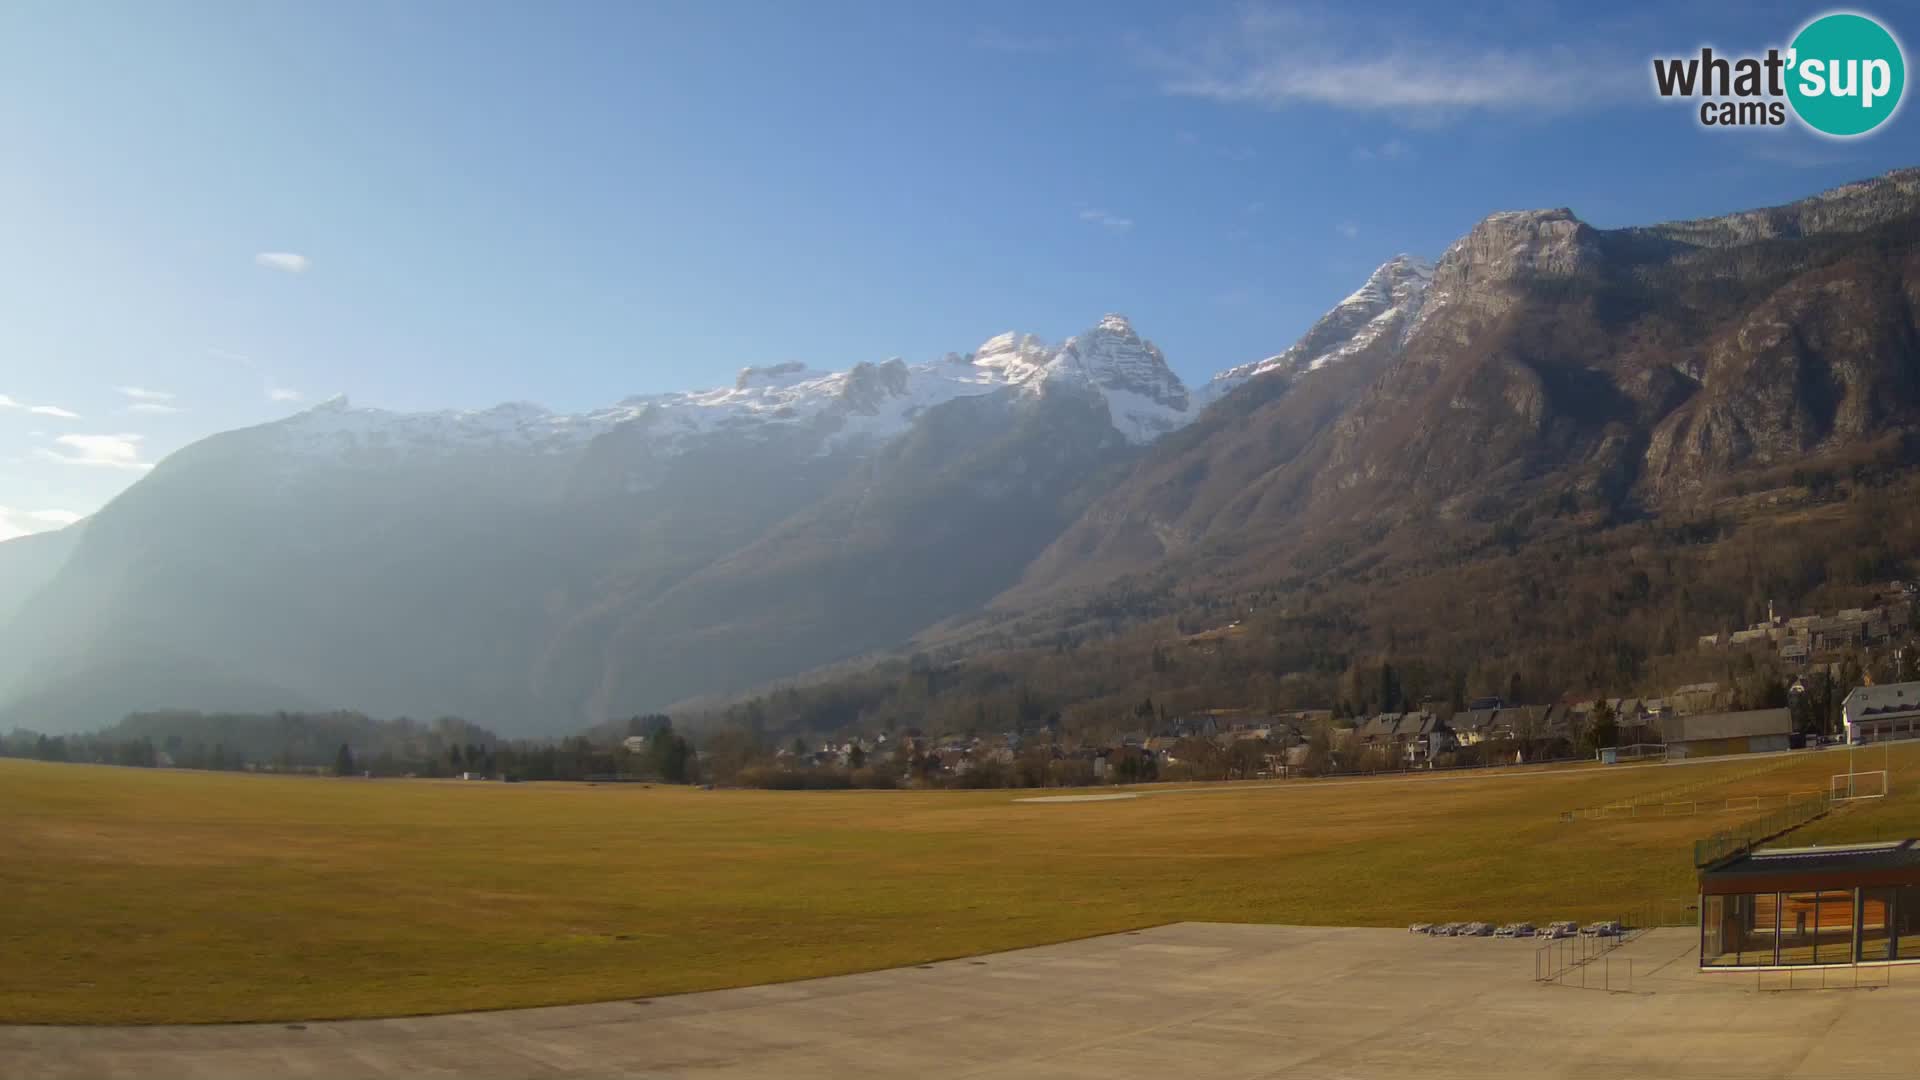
1739	930
1906	922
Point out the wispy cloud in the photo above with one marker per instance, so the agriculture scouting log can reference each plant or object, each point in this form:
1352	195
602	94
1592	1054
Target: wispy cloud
96	451
281	393
149	402
1113	222
1348	229
17	523
10	404
1286	58
283	261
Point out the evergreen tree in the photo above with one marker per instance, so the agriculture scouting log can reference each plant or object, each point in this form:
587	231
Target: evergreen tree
343	761
1604	730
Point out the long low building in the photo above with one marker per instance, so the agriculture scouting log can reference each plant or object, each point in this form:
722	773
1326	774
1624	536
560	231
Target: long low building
1878	713
1755	731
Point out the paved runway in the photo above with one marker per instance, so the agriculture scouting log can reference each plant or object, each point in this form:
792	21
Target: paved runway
1193	999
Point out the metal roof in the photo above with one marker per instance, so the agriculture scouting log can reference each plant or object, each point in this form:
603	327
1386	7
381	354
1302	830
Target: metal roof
1841	866
1891	698
1727	725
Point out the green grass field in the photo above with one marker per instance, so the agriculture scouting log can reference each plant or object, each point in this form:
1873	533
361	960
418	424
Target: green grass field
131	895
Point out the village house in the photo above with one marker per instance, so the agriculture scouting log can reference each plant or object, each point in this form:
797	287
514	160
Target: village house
1471	727
1415	736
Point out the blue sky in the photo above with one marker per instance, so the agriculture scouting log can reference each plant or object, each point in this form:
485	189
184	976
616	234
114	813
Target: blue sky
216	214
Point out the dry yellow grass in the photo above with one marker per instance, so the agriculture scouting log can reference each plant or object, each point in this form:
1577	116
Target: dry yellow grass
155	896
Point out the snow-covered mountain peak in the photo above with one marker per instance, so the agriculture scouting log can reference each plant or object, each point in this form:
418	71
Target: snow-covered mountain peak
1015	356
862	406
1381	309
1144	397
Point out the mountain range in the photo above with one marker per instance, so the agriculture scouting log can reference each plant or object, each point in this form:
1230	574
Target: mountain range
539	572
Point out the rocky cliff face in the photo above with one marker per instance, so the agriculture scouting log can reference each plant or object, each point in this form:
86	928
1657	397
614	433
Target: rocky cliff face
1546	363
1379	313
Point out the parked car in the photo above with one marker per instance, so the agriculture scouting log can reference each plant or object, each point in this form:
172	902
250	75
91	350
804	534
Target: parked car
1420	928
1604	928
1446	929
1515	930
1560	928
1477	929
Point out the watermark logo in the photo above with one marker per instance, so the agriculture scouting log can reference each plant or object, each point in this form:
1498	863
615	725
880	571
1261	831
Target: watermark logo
1843	75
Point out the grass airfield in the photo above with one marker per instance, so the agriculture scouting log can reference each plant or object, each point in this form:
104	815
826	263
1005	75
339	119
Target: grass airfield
159	896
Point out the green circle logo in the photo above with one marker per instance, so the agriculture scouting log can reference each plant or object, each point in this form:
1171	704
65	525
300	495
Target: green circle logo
1846	74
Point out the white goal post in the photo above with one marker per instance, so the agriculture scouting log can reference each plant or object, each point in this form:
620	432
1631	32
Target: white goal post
1871	784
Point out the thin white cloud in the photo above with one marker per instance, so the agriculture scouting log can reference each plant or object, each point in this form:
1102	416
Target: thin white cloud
1277	59
96	451
141	393
55	411
1347	229
233	357
1105	220
284	261
281	393
153	408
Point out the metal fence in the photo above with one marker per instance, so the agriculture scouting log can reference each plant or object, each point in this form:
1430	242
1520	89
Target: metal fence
1744	838
1585	962
1689	808
1648	805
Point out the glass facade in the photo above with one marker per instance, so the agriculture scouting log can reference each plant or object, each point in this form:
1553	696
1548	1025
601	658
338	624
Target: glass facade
1823	926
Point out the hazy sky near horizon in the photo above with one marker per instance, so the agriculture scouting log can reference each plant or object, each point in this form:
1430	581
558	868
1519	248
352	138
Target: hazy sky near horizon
220	213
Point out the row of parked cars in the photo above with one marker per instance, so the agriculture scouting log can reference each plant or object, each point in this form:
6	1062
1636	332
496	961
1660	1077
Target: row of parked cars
1559	928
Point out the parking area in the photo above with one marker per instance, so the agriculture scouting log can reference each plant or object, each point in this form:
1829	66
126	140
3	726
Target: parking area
1191	999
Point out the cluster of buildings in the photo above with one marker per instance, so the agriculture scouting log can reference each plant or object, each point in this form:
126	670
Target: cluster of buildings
1802	637
1690	721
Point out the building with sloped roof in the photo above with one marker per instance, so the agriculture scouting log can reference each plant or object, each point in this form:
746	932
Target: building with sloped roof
1754	731
1878	713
